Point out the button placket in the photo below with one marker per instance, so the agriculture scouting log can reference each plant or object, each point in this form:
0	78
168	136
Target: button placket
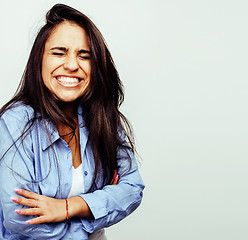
69	155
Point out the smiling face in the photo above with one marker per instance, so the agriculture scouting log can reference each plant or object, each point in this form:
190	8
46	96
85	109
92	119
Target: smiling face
66	66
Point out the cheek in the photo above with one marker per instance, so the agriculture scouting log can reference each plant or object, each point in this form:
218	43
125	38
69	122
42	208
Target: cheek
86	67
46	72
89	68
45	77
48	67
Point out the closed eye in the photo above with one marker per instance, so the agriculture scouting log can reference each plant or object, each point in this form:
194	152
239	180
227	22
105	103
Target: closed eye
84	54
58	53
84	57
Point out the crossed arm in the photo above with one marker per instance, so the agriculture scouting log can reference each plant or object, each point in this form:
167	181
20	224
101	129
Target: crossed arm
106	206
50	209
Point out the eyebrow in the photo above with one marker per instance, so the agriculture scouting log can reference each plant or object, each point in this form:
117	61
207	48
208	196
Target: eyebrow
66	50
60	48
83	51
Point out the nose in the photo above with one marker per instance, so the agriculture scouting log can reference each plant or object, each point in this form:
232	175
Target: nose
71	63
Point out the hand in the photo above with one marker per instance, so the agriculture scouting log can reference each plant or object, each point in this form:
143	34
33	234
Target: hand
48	209
51	209
115	178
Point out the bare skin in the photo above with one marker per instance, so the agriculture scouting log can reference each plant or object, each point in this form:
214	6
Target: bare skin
73	142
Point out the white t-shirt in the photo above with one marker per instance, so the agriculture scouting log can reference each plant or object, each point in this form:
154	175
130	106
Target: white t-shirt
77	188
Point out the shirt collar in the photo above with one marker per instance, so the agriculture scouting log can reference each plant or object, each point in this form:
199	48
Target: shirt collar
50	133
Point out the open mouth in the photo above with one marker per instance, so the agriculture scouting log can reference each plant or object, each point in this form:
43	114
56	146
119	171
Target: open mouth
68	81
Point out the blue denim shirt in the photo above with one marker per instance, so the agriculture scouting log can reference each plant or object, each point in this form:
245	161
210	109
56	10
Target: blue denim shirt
44	168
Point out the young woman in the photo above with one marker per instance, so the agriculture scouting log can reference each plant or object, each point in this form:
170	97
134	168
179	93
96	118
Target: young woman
67	167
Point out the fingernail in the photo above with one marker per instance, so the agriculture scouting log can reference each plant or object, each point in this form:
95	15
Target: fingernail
116	177
28	221
18	190
15	199
18	211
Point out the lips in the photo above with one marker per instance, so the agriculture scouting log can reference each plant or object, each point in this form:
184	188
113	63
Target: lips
68	81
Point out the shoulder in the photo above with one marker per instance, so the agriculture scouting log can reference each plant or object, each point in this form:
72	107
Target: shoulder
13	125
15	119
18	112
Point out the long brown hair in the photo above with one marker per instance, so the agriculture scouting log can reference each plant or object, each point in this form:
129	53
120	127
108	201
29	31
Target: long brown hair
101	100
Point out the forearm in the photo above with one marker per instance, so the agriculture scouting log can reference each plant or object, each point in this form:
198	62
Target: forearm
111	204
77	207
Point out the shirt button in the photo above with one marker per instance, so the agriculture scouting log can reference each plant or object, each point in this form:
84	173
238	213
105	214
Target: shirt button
85	173
141	194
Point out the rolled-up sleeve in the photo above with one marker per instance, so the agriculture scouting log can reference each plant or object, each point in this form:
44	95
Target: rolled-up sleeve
114	202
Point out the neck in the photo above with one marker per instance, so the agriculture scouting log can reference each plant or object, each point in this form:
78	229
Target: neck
70	109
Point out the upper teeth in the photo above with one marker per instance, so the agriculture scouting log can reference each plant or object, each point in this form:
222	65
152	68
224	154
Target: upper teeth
68	79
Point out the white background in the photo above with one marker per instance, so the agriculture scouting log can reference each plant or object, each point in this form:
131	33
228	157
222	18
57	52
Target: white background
184	67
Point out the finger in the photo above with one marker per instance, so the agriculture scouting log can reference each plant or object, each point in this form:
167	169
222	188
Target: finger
27	194
28	211
24	201
115	178
37	220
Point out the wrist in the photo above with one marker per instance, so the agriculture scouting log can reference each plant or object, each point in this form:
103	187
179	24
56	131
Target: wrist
67	209
77	207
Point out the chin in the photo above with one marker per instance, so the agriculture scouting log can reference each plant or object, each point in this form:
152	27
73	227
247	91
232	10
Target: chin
66	99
